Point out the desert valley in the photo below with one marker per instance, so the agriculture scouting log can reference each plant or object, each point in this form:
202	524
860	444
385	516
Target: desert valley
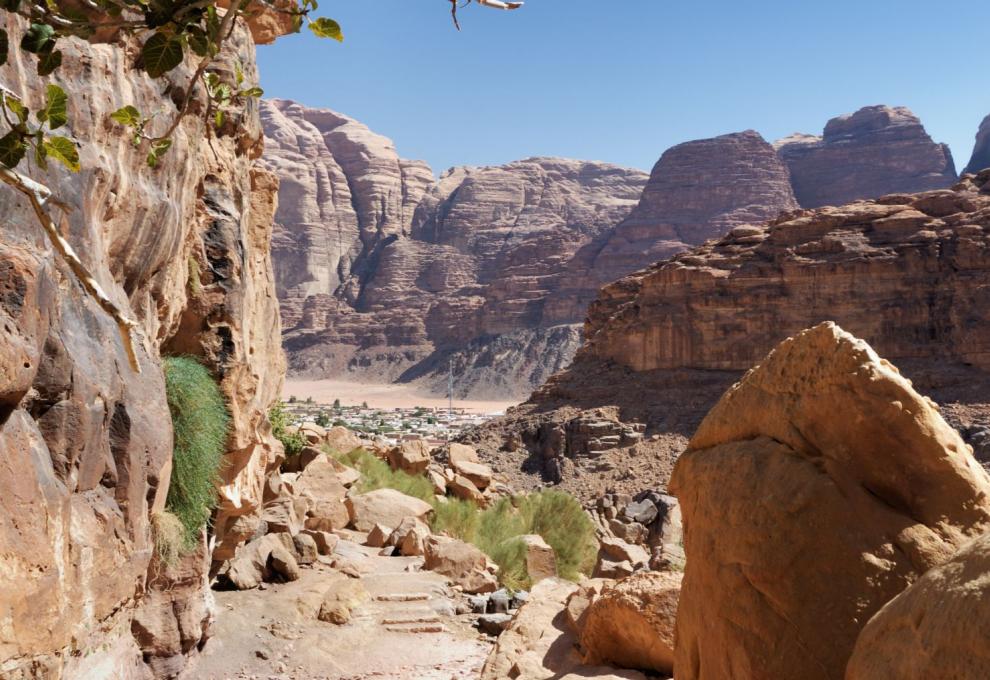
277	402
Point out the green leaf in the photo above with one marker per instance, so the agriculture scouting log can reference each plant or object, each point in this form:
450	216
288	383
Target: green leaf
41	154
48	62
16	107
326	28
64	151
253	92
238	74
12	148
4	46
38	38
199	42
158	149
218	119
128	116
161	54
55	108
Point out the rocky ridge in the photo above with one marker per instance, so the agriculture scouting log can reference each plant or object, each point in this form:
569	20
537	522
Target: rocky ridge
981	152
907	272
86	441
875	151
387	274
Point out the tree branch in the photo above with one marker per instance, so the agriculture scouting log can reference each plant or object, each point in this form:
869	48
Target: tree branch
39	195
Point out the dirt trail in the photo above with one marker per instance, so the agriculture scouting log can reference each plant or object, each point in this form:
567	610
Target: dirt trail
406	630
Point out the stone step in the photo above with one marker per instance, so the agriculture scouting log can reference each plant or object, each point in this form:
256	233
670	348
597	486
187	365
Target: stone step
403	597
403	620
417	628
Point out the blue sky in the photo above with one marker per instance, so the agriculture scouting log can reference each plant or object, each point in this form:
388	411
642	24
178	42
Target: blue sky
622	80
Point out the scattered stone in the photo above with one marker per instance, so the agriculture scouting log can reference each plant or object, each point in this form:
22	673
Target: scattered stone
409	536
494	624
541	561
378	536
387	507
479	474
631	623
464	564
412	457
306	548
499	602
464	488
461	453
339	599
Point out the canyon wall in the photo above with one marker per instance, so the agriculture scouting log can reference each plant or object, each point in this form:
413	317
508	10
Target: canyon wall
910	273
386	274
875	151
86	440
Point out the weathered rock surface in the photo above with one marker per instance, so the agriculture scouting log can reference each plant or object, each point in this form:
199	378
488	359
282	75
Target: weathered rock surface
385	272
981	152
86	442
823	433
539	645
630	624
386	507
464	564
908	273
875	151
697	190
938	627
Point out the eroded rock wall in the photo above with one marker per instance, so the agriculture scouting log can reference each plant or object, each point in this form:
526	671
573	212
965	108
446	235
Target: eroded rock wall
875	151
981	152
86	441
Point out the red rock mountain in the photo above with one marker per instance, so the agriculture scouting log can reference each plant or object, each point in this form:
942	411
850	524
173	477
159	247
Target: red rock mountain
981	152
875	151
908	272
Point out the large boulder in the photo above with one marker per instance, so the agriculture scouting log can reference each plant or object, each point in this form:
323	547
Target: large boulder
463	488
541	561
538	644
341	440
631	623
387	507
409	537
817	489
461	453
937	628
264	559
412	457
479	473
461	562
318	496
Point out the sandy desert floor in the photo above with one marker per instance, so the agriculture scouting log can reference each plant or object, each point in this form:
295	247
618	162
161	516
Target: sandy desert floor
384	396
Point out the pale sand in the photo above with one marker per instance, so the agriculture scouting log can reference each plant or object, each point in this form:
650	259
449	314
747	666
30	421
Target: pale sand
383	396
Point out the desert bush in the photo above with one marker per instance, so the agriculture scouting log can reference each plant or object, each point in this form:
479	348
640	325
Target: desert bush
169	536
456	518
376	474
199	425
293	443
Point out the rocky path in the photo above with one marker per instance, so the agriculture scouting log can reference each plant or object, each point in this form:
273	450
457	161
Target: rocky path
405	629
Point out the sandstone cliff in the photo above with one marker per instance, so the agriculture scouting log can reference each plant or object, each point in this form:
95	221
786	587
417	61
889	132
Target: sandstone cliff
981	152
85	441
875	151
384	273
909	273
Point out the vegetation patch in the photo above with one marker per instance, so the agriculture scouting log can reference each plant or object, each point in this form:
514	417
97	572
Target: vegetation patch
199	425
169	536
376	474
293	442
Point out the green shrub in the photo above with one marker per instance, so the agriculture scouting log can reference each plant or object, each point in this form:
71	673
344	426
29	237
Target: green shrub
376	474
559	518
293	443
169	536
199	426
456	518
323	420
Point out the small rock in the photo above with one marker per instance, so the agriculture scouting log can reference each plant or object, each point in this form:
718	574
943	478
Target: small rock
494	624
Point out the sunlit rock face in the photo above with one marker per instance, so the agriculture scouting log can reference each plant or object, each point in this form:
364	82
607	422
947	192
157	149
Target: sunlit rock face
85	440
981	152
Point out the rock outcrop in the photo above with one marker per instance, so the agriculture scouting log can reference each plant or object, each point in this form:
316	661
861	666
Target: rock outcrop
385	273
86	441
875	151
823	433
936	628
981	152
697	190
908	273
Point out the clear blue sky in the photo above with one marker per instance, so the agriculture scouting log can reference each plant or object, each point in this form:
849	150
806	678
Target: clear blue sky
622	80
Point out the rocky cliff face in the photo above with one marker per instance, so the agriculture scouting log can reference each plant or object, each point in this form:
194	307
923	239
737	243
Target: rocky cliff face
981	152
385	273
85	441
697	190
909	273
875	151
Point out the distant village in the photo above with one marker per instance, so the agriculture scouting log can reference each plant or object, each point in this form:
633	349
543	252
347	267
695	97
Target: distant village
392	425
